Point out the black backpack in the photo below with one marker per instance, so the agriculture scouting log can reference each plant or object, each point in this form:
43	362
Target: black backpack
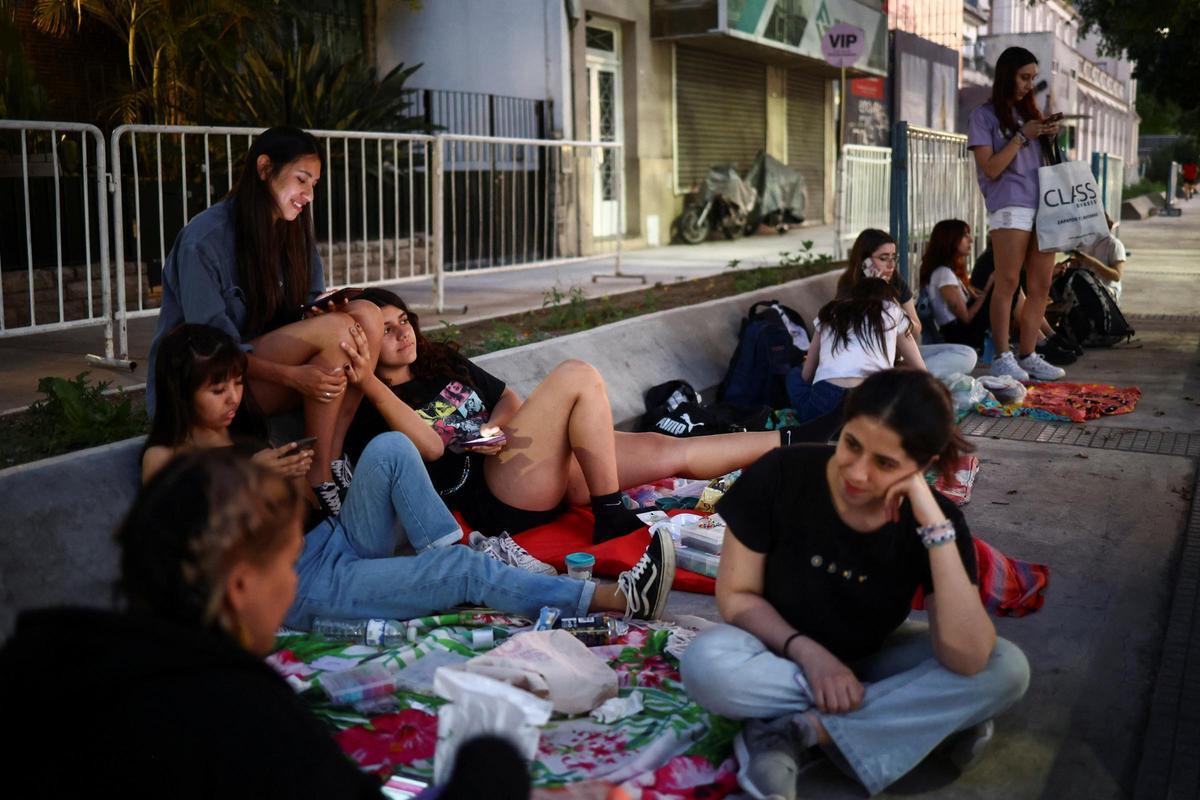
766	352
1092	318
674	408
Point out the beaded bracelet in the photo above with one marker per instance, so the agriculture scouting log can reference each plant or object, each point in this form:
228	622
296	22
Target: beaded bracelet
938	533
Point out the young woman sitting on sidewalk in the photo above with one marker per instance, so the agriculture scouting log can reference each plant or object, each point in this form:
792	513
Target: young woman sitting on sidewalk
960	311
826	550
177	682
856	335
248	265
560	444
347	568
873	255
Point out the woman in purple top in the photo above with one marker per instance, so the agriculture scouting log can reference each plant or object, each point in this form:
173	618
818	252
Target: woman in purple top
1003	135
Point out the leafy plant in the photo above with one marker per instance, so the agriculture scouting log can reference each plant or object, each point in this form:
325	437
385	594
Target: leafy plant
571	315
20	96
76	413
501	336
449	332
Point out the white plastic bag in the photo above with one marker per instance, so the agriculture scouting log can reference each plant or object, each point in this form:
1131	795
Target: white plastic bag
1005	388
480	705
966	391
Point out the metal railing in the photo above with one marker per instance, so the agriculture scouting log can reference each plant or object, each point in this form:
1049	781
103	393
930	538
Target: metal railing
53	173
372	218
510	203
864	193
1110	175
933	178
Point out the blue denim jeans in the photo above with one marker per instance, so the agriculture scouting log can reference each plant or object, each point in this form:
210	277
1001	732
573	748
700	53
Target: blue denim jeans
348	569
943	360
812	400
911	703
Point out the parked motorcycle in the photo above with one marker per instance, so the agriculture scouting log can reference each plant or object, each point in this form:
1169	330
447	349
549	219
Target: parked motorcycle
722	204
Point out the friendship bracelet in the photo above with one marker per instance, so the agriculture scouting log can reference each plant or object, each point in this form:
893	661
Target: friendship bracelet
938	533
783	650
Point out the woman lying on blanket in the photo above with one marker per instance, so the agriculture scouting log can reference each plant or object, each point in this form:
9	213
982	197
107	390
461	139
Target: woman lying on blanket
558	446
348	568
247	266
826	549
175	686
856	335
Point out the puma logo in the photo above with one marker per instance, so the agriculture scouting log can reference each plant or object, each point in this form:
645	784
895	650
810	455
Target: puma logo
678	427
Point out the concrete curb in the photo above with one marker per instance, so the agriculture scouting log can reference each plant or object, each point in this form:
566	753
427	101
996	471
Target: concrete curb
63	510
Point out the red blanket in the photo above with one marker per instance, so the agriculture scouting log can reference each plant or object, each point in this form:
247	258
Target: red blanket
1082	401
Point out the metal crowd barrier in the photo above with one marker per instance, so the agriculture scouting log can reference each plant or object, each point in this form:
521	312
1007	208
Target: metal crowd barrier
371	210
1110	175
510	203
864	194
54	221
933	178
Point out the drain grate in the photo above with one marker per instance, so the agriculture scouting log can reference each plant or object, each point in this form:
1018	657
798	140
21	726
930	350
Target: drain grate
1125	440
1164	317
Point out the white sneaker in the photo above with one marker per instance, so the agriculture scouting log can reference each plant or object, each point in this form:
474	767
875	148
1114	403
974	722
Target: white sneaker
1040	369
1006	364
502	548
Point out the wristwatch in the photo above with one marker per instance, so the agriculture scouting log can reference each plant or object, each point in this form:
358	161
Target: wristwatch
1021	138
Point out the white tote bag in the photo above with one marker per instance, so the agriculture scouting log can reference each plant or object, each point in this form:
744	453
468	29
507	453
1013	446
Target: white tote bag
1070	214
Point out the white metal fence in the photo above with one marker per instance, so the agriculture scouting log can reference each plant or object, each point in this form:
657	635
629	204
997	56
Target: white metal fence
933	178
54	254
864	193
513	203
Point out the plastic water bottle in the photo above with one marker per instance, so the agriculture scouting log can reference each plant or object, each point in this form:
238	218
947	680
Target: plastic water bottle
371	632
989	350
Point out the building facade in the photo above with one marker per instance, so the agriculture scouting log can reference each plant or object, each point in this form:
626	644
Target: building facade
683	84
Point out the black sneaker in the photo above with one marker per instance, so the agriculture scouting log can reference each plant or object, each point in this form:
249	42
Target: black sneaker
648	584
329	498
342	473
1053	352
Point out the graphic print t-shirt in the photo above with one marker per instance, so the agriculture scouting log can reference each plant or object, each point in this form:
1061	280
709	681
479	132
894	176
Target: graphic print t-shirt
456	408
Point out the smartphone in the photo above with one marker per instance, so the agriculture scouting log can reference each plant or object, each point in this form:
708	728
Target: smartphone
306	443
1055	117
336	296
486	441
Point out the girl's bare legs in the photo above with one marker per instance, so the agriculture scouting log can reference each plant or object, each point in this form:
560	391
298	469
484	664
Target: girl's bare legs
317	342
1039	274
1010	248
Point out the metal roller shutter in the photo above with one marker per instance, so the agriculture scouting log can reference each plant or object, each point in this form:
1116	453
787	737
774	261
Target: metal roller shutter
721	112
806	136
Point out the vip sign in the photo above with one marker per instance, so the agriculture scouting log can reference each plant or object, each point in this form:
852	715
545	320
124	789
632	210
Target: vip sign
843	44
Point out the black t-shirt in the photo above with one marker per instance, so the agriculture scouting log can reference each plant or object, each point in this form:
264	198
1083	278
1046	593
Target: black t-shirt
844	589
453	407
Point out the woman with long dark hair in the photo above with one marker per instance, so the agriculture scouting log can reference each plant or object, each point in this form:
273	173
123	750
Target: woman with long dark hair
856	335
249	266
874	255
1003	134
960	311
825	550
558	446
189	709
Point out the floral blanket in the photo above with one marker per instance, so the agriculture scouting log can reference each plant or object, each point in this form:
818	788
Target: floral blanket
671	749
1068	402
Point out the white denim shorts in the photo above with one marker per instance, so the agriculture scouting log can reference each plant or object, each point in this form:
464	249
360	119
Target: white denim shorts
1013	218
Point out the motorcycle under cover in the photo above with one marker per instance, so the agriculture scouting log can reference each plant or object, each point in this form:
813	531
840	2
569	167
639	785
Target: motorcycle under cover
779	187
724	182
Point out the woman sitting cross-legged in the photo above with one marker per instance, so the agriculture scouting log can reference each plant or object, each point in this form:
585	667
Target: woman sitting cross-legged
856	335
348	567
825	551
182	702
560	444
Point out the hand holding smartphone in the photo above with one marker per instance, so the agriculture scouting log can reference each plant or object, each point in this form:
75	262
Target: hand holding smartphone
336	297
307	443
488	437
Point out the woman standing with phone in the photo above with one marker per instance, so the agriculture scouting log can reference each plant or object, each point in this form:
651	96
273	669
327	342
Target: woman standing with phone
249	267
1003	135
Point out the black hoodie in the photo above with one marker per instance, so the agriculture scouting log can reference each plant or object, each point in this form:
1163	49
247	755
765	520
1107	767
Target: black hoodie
99	703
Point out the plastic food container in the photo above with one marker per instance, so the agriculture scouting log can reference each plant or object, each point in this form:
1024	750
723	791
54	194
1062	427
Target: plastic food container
697	560
579	566
356	685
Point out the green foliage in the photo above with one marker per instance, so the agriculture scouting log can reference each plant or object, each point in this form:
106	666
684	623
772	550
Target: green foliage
20	95
75	413
501	336
1184	150
570	315
449	332
1144	186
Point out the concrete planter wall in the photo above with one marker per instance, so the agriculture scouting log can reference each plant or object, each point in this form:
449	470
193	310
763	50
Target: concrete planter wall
62	511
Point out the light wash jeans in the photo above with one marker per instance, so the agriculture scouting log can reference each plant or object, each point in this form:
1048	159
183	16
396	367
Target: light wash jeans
348	569
942	360
911	703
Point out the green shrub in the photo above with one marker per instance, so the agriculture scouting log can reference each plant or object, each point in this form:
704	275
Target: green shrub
76	413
